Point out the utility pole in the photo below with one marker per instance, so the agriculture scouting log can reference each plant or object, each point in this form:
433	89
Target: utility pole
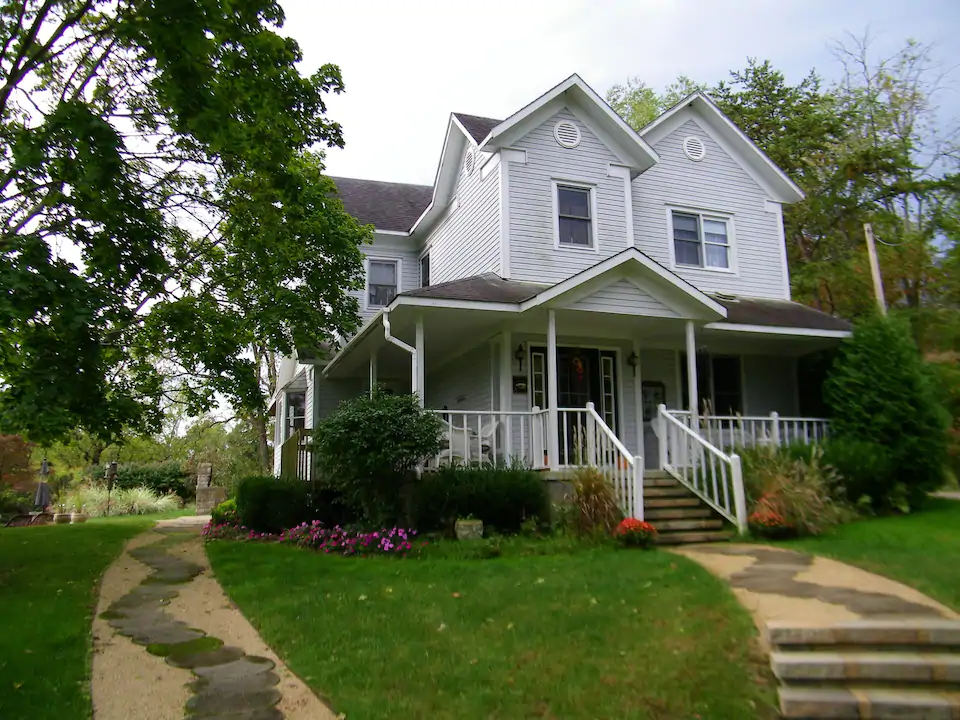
875	268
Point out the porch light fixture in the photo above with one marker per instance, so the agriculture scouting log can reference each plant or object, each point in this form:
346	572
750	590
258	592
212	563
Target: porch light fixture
518	355
633	361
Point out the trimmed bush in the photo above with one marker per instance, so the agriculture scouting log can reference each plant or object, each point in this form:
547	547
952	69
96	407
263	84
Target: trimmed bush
271	505
225	513
162	479
880	392
502	496
367	450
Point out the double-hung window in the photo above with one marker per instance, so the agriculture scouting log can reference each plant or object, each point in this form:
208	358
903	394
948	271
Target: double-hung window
574	216
382	276
701	240
425	270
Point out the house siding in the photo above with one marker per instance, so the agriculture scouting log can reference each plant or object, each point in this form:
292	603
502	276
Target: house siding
329	393
390	249
624	298
717	183
467	240
461	384
533	253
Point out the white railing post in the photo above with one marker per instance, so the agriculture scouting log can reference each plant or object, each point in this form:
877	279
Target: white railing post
662	435
638	487
536	437
775	433
739	495
590	427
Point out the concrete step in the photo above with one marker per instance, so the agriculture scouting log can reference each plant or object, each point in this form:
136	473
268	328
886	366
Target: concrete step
657	475
670	502
668	481
681	538
665	526
899	667
868	702
933	633
674	491
653	515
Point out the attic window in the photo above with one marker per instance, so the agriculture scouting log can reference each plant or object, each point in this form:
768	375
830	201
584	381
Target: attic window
566	134
469	162
694	148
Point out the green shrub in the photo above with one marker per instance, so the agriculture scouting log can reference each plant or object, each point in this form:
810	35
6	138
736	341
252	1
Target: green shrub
502	496
14	502
880	392
162	479
225	513
368	449
804	494
272	505
866	470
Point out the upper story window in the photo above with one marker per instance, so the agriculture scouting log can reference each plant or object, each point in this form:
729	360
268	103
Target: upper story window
425	270
575	216
296	413
382	279
701	240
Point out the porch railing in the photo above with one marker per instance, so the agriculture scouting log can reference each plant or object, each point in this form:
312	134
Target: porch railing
731	431
492	436
622	468
713	475
296	455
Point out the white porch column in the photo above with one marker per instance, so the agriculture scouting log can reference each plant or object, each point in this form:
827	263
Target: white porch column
373	372
506	393
418	362
692	391
638	398
553	432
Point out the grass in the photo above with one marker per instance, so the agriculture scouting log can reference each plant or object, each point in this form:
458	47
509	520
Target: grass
48	589
919	550
588	633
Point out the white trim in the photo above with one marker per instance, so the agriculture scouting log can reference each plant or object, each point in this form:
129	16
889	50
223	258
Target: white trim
703	214
555	184
467	135
416	301
366	279
777	210
507	156
623	172
399	233
774	330
491	164
638	396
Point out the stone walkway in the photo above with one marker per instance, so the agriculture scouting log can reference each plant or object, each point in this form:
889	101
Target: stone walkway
168	643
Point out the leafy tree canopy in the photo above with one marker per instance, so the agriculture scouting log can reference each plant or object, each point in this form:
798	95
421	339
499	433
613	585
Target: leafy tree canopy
164	222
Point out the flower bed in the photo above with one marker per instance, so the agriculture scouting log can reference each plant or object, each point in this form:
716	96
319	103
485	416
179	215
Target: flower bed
332	540
635	533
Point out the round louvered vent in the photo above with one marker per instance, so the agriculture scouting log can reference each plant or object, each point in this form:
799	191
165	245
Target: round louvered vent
469	161
694	148
567	134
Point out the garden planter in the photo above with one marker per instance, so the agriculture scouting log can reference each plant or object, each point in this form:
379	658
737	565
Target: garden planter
77	517
469	529
61	518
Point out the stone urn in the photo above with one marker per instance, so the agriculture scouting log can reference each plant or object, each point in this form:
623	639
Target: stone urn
78	517
469	529
61	518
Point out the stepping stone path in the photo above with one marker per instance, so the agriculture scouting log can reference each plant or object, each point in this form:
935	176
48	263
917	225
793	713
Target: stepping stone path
229	684
844	643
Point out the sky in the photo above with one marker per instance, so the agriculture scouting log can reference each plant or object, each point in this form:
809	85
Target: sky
407	65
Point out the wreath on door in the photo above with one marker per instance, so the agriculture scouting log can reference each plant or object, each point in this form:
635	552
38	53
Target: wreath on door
578	370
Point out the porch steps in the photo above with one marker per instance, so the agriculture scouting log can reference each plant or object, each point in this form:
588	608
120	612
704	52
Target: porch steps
880	669
678	515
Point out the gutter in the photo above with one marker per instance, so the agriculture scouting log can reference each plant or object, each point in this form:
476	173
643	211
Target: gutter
403	346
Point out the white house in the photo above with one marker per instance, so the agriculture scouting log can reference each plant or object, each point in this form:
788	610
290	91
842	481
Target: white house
562	259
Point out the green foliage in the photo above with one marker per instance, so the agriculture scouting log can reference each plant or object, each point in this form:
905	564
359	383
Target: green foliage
225	513
272	505
504	497
14	502
162	479
368	448
869	473
880	392
15	467
96	502
796	486
595	511
163	210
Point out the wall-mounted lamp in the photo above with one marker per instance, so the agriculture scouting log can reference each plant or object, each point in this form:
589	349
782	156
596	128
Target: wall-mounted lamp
518	356
633	361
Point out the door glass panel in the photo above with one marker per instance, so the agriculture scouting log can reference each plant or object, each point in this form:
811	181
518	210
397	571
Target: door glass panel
537	363
608	392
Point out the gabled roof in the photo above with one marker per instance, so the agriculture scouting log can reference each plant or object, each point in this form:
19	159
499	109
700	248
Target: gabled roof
385	205
477	127
779	313
767	171
488	287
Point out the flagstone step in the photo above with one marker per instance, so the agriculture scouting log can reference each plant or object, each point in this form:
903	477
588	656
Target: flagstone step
652	515
906	667
666	526
941	634
670	502
679	538
668	481
869	702
674	491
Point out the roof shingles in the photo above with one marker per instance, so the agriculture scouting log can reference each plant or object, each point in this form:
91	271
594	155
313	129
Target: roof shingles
385	205
478	127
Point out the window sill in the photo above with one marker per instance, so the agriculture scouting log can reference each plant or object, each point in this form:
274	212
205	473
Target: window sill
722	271
576	248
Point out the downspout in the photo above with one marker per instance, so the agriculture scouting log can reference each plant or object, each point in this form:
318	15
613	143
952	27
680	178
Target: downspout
403	346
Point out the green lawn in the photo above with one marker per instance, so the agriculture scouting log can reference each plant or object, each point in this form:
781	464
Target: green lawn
48	583
594	633
920	550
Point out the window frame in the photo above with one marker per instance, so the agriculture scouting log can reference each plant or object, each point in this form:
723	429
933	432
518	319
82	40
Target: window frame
555	185
290	419
703	214
425	257
366	279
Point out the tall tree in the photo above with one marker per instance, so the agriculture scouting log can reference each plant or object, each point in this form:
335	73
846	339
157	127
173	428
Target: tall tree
161	211
638	103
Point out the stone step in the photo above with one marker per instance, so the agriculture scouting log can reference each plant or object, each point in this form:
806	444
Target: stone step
668	481
906	667
868	702
936	633
681	538
682	513
675	491
665	526
657	475
670	502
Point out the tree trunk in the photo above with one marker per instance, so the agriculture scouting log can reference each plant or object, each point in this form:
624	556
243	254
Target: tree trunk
259	422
